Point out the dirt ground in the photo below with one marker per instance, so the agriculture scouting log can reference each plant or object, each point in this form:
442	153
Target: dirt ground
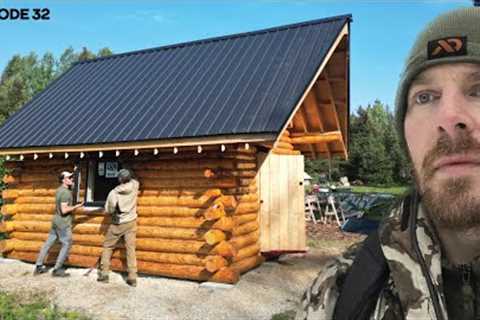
273	288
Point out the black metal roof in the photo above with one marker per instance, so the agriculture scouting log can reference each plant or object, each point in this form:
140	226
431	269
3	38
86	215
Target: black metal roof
239	84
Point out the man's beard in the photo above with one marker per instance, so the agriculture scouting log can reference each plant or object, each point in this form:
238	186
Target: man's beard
450	204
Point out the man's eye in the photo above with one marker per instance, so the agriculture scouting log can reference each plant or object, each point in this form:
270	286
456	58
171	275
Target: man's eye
475	92
424	97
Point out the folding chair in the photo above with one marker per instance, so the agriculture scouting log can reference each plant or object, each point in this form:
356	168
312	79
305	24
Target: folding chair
334	210
311	207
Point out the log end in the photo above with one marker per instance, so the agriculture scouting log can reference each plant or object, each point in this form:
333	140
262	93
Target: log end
225	275
215	263
214	236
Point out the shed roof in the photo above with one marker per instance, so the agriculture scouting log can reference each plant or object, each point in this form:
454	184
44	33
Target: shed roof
242	84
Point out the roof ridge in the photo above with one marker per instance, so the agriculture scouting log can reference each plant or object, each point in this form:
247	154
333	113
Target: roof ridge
347	17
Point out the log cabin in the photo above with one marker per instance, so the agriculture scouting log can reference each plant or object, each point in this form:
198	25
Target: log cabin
216	132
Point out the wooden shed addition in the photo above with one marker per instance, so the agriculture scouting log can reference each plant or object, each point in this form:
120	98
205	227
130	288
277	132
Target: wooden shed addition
215	131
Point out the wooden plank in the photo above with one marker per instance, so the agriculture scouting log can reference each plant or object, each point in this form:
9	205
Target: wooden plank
264	190
306	128
283	198
275	180
312	102
333	104
302	232
167	143
293	198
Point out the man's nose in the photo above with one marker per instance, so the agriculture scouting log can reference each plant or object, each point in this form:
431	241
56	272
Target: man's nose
454	116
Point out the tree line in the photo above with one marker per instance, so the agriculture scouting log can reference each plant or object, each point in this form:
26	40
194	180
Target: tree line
375	152
25	76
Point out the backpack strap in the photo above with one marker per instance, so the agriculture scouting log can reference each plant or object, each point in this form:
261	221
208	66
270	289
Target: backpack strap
363	283
367	276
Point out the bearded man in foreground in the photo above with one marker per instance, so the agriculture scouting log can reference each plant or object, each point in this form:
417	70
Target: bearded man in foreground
424	262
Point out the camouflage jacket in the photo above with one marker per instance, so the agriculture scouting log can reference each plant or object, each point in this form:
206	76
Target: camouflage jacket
413	289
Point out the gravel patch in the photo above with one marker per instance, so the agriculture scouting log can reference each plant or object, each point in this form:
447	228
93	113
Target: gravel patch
274	287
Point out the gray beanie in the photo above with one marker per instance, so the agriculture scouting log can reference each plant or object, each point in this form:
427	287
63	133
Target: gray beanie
452	37
124	175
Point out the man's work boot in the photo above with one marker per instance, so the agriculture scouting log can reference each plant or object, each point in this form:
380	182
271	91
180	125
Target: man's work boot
39	270
132	282
60	273
103	278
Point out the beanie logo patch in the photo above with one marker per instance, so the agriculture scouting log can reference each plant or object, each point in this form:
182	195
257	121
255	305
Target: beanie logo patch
447	47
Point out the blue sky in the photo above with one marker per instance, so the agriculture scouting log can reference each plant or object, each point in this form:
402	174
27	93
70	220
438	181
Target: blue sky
381	32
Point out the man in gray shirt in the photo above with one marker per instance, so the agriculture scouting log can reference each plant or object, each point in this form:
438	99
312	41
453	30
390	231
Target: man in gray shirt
61	227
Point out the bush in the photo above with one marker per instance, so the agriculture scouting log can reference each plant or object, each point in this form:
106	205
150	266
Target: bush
18	307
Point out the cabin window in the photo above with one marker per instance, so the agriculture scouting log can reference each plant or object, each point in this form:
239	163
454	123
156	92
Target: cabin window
102	177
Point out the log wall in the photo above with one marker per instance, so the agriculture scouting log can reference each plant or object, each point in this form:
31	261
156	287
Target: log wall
198	214
284	145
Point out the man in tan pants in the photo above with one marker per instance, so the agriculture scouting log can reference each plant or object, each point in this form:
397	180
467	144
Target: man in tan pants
122	205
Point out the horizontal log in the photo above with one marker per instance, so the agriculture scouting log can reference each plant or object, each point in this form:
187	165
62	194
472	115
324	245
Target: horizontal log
246	208
223	223
197	192
247	264
246	252
148	183
35	200
245	228
240	190
245	218
312	138
185	164
210	236
216	211
82	214
245	240
248	197
285	152
223	248
284	145
213	262
183	201
193	174
38	185
225	275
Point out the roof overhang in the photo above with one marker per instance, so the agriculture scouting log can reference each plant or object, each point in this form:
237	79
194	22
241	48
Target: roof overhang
142	145
319	125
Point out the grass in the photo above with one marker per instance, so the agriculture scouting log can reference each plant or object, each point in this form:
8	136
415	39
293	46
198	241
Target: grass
286	315
392	190
32	307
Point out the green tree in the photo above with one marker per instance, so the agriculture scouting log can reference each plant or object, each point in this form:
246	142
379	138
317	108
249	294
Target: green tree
374	147
104	52
67	59
86	55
